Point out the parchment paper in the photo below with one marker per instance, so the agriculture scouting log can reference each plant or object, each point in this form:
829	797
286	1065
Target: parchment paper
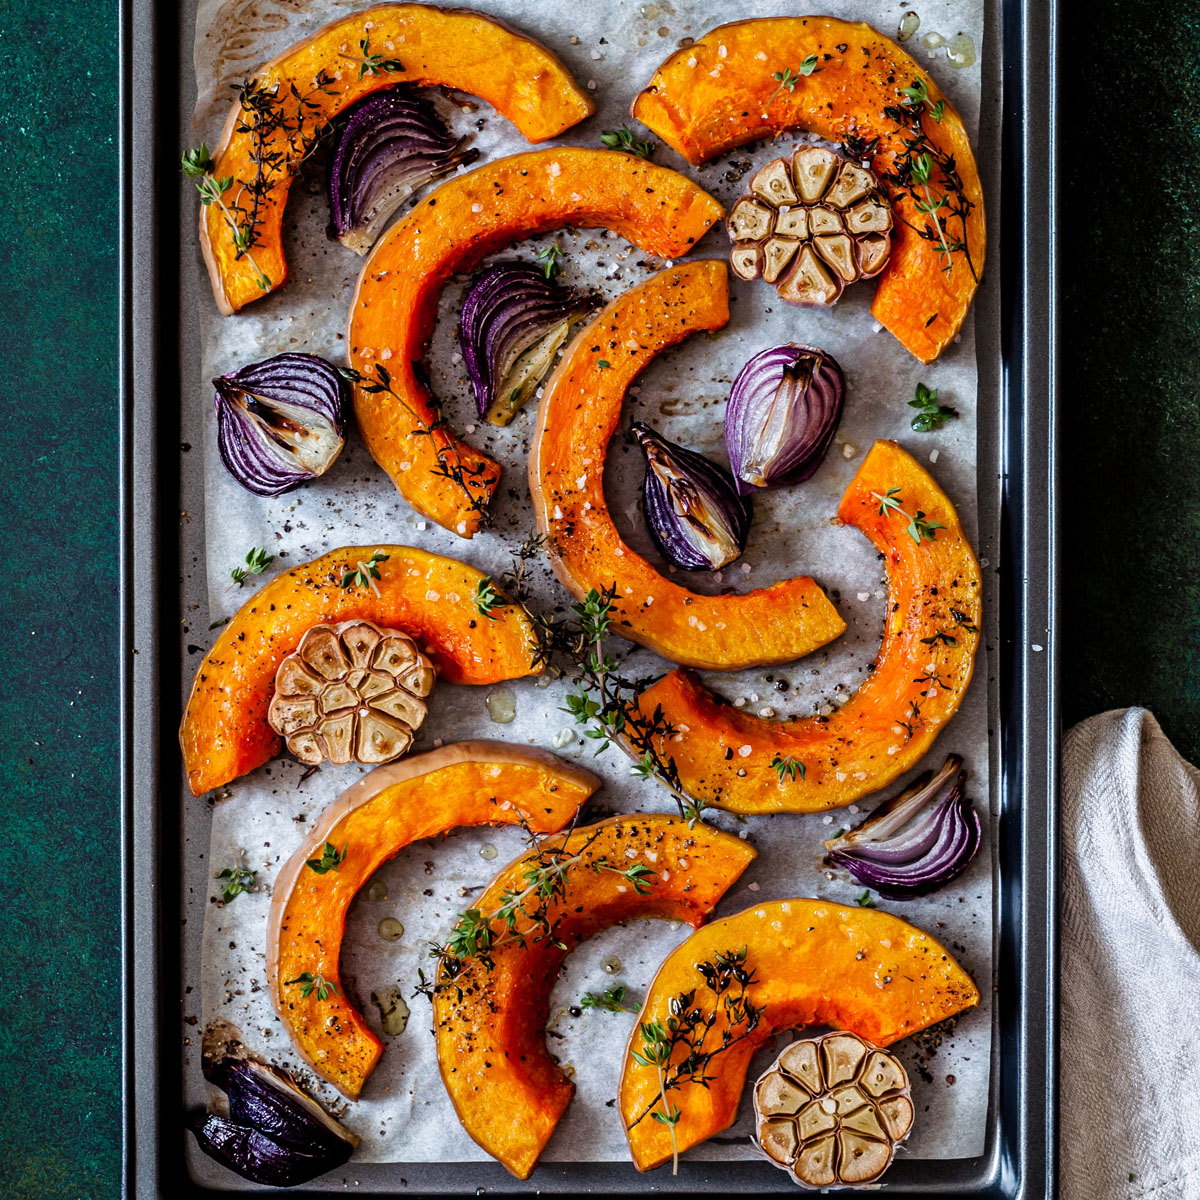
404	1114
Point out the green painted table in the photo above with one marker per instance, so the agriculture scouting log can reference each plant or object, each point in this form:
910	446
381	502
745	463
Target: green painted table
1131	518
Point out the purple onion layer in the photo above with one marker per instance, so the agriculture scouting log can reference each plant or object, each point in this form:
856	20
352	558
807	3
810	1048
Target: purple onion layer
512	323
694	512
784	408
281	421
392	144
916	842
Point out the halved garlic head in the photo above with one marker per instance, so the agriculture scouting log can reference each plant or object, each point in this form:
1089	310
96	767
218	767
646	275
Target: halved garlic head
831	1110
350	693
811	226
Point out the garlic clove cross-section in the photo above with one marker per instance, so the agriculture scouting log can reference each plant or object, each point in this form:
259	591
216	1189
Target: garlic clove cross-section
811	227
351	692
831	1110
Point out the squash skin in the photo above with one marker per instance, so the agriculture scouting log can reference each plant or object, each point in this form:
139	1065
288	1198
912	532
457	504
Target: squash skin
225	733
848	754
457	48
804	953
702	115
465	784
507	1091
579	412
394	308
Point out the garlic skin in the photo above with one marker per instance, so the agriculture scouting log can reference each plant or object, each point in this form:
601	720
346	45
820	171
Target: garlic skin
811	227
351	692
694	511
831	1110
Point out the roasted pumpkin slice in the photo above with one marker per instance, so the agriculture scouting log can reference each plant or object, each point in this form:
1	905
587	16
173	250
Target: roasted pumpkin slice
469	783
579	412
356	54
724	90
489	1011
746	764
225	731
468	217
795	963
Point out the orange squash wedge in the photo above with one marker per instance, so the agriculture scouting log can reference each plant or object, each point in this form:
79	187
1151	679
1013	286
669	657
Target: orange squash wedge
723	91
433	46
578	414
732	759
469	783
811	963
225	732
394	308
507	1090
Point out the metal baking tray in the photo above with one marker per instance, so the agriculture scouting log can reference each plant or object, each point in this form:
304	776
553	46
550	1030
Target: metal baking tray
1017	323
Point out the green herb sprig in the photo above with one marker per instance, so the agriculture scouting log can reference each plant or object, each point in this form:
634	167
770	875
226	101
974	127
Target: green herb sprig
550	259
930	414
787	767
372	64
918	528
487	599
612	1000
864	901
364	574
331	859
257	561
623	139
237	879
310	983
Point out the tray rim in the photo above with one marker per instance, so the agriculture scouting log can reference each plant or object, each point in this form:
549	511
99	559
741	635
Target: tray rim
1020	1156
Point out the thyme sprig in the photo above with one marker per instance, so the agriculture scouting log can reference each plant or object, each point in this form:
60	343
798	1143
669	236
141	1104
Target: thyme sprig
913	720
930	414
918	527
613	1000
623	139
257	561
789	77
550	259
331	859
487	599
237	879
364	574
310	983
689	1026
469	478
525	916
787	767
372	64
929	175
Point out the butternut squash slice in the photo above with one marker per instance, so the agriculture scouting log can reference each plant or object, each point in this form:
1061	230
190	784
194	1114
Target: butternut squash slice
394	308
507	1090
578	414
225	732
406	43
746	764
469	783
723	91
811	963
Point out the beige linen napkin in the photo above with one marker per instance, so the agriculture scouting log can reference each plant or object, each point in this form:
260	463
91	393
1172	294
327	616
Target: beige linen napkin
1130	1037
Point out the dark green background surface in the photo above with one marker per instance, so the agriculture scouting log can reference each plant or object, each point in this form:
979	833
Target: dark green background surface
1130	225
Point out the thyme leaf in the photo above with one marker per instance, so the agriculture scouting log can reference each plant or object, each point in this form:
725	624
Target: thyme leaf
930	414
364	574
787	767
550	258
257	561
623	139
238	878
487	598
310	983
331	859
613	1000
372	64
918	528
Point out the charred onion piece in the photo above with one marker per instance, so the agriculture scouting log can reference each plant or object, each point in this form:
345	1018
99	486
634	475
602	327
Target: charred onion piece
831	1110
393	143
512	323
811	227
351	692
694	511
275	1134
916	842
784	408
280	421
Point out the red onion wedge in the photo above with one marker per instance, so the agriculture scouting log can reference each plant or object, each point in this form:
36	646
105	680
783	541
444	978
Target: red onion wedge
281	421
512	324
916	842
392	144
783	411
693	509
